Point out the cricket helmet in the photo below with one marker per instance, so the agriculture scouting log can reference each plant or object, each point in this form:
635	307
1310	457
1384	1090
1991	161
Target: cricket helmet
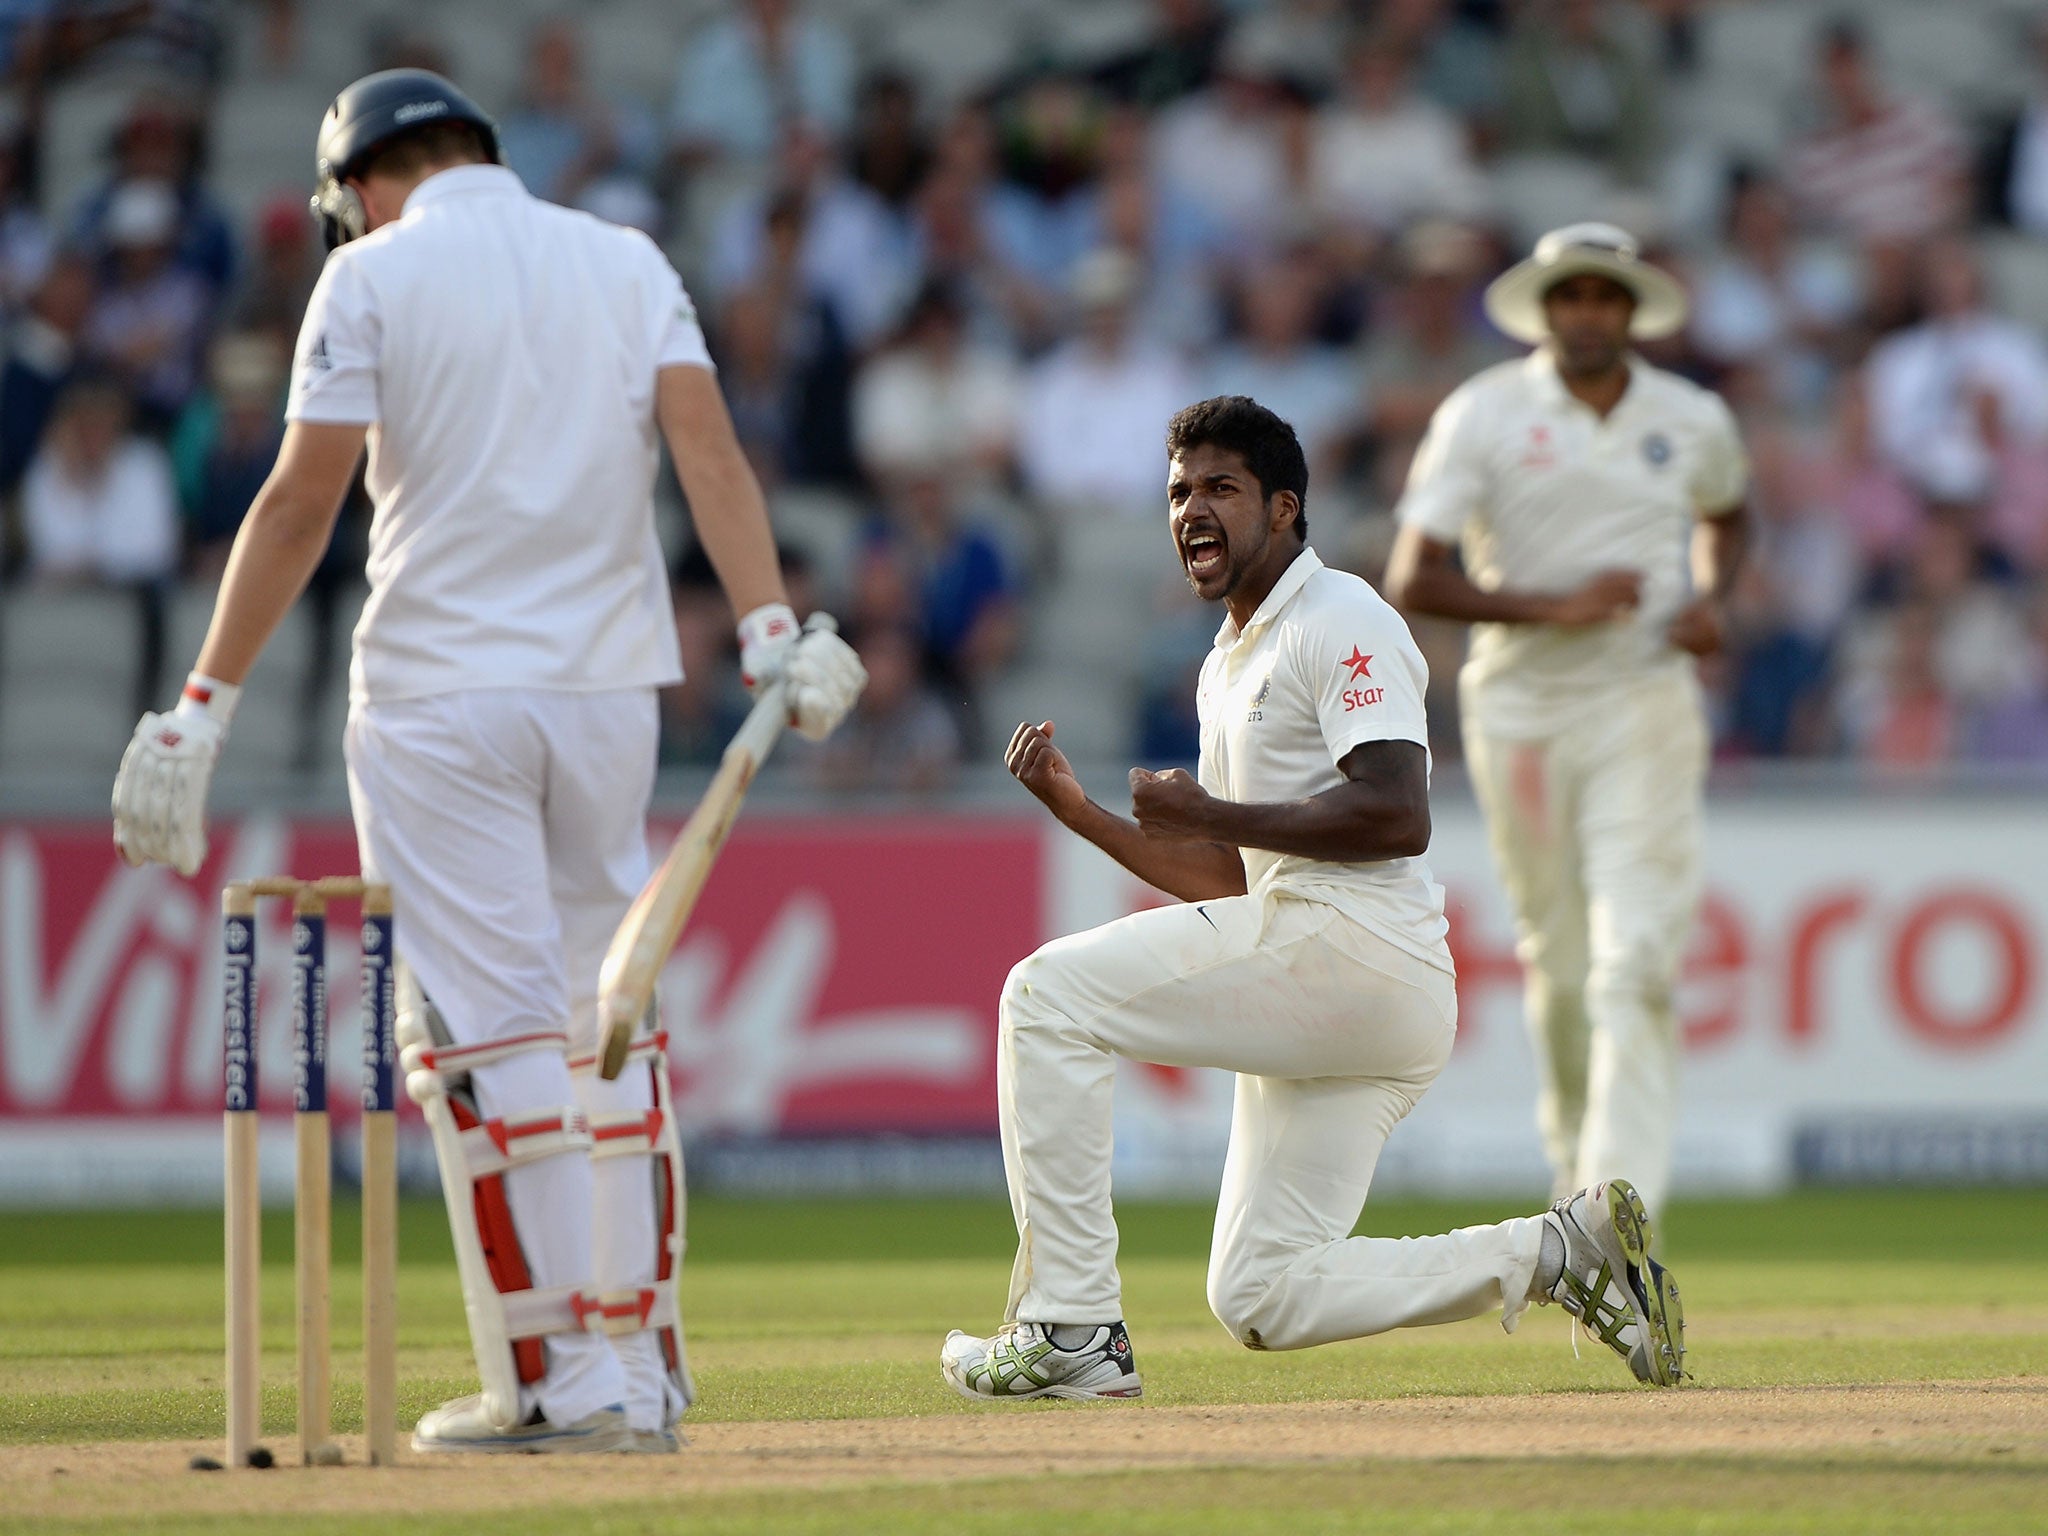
368	113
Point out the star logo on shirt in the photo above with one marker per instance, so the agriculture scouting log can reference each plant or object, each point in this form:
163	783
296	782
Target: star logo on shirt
1359	663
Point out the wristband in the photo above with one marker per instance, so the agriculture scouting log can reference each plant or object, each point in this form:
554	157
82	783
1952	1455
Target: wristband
209	696
766	623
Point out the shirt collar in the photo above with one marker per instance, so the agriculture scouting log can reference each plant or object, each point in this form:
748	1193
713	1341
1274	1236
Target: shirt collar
1541	367
459	180
1292	580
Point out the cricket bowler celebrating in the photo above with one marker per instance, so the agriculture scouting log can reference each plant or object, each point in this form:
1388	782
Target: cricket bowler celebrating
1573	482
1307	955
511	363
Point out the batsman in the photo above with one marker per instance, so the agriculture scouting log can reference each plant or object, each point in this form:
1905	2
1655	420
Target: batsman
513	367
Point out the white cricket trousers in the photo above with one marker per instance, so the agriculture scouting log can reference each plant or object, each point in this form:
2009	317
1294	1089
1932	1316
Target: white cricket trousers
1334	1034
1597	834
511	825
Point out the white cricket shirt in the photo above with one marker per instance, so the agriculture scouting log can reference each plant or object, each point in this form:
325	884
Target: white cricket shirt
503	352
1541	493
1324	665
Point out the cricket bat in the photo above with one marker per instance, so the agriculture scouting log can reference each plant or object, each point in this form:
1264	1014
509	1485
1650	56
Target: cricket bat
648	933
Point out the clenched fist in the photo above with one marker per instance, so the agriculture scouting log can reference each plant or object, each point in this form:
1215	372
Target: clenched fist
1043	769
1169	804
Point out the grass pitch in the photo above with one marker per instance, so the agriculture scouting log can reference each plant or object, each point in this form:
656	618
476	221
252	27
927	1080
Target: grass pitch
1863	1362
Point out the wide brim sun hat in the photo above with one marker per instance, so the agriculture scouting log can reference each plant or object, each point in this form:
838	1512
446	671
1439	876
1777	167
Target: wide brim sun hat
1514	300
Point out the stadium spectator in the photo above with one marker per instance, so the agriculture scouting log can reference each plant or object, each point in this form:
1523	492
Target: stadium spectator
965	592
226	443
1385	155
935	403
1881	168
1899	715
1042	213
2017	173
40	359
148	324
26	245
1177	58
1769	303
1456	59
852	252
1796	589
889	152
164	142
1959	399
2014	728
1572	83
98	504
700	714
286	265
1842	469
1427	338
901	737
961	237
791	383
561	137
751	77
1224	150
1089	434
1277	360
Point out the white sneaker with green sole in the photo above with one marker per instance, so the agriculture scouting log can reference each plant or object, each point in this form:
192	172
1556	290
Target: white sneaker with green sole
1020	1362
1625	1298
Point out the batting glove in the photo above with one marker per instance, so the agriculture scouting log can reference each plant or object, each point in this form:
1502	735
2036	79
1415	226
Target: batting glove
767	636
160	792
825	677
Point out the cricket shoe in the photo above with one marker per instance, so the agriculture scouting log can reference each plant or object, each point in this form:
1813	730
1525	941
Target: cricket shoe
655	1442
1021	1361
1625	1298
462	1425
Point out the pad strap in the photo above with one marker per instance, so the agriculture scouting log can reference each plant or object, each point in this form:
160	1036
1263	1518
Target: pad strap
627	1135
492	1146
450	1060
647	1048
568	1309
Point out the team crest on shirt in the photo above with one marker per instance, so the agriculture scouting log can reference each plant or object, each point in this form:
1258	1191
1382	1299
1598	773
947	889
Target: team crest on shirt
1657	450
1257	711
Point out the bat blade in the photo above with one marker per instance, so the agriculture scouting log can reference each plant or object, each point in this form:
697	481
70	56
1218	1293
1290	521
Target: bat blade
648	933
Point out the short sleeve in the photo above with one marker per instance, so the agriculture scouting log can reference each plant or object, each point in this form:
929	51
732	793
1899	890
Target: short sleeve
1447	480
680	338
334	371
1720	477
1368	678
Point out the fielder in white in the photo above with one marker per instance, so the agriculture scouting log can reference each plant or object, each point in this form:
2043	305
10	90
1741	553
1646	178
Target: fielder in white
511	364
1575	482
1308	957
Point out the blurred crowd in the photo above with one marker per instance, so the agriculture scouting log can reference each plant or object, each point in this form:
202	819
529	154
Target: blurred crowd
954	323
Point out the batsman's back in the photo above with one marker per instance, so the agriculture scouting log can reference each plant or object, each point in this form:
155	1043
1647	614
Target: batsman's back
515	346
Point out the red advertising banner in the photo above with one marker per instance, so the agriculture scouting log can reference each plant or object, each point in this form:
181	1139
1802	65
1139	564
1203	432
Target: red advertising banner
839	976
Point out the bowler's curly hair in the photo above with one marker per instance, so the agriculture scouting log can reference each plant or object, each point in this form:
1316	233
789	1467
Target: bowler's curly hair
1239	424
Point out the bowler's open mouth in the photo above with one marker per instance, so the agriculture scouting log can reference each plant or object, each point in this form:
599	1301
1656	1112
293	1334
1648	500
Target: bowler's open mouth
1203	553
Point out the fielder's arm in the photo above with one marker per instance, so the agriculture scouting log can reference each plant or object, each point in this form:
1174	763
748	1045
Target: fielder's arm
725	499
1192	869
279	543
1718	545
1380	811
1423	577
